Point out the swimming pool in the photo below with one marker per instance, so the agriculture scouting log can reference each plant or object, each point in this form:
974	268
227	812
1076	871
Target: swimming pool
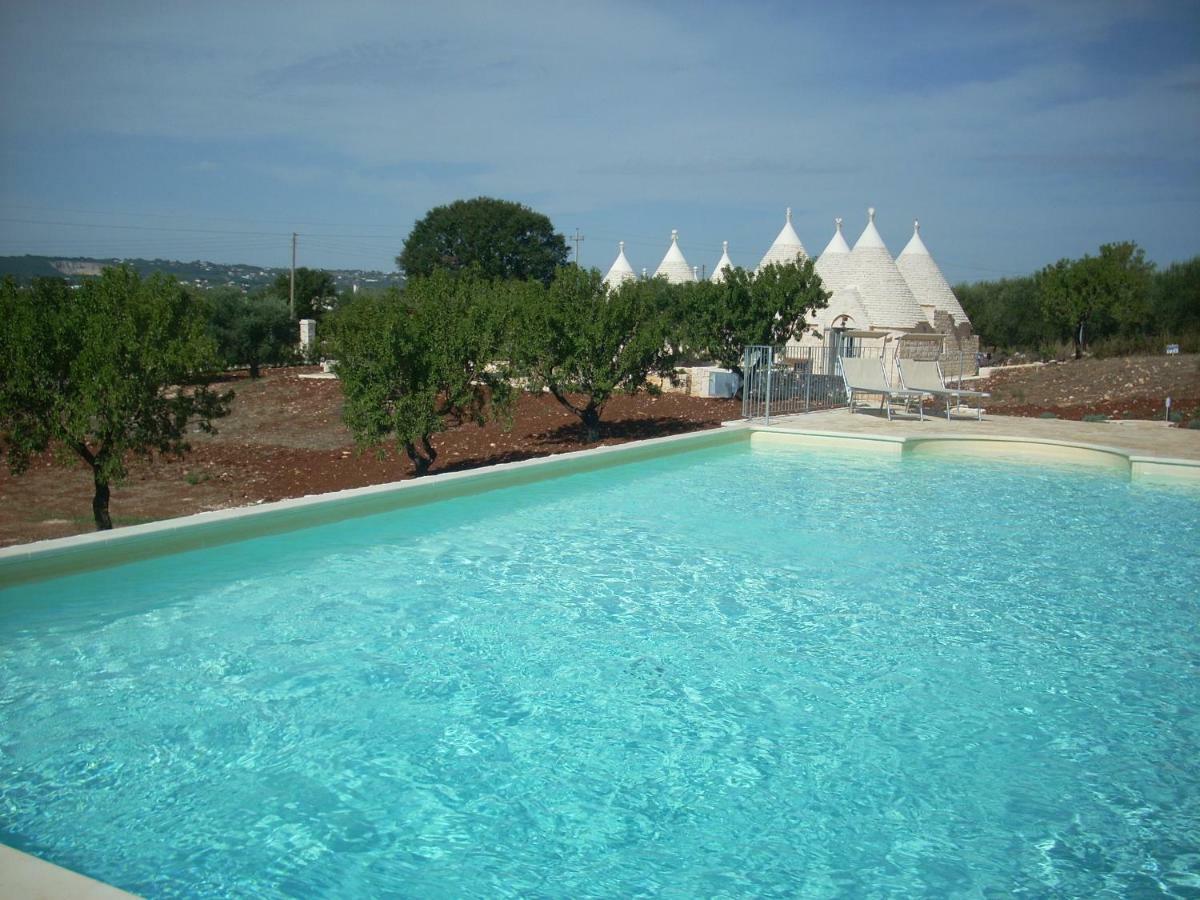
735	671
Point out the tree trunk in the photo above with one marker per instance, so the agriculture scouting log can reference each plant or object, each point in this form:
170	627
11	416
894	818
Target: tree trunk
1079	342
422	459
100	501
254	370
591	423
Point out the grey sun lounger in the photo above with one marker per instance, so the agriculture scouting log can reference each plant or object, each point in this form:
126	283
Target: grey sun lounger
926	376
864	375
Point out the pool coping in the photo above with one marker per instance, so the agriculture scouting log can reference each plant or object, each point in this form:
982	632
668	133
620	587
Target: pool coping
40	560
1139	466
22	875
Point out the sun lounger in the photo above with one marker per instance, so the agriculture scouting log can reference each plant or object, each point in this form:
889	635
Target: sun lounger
864	375
926	376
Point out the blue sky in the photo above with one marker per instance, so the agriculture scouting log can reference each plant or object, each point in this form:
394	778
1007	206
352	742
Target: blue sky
1018	132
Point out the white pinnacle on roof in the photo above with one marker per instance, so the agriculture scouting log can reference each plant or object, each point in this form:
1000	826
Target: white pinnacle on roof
786	248
926	280
888	300
837	243
620	271
723	263
673	265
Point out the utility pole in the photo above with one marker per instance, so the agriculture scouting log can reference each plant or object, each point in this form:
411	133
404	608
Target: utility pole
578	239
292	283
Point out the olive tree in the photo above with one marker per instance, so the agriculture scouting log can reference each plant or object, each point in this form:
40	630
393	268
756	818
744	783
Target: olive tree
120	366
1091	297
584	343
767	307
251	329
414	363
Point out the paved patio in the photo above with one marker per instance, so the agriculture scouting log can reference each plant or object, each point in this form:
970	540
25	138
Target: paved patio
1138	437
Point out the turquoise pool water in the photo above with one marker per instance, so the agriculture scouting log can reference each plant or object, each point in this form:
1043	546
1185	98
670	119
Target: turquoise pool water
728	673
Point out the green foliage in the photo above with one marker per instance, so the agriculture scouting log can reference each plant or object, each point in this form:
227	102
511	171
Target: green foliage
1123	306
768	307
584	343
1095	417
1006	314
251	329
1097	295
504	240
412	364
316	292
119	365
1048	415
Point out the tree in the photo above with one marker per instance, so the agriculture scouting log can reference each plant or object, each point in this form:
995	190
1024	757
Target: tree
584	343
118	366
503	239
412	364
250	329
1007	313
767	307
1176	299
316	292
1097	295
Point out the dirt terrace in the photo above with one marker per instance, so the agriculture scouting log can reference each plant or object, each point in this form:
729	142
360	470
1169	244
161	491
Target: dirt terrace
1131	388
285	438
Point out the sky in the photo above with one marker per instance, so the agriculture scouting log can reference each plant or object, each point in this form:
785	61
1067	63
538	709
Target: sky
1018	131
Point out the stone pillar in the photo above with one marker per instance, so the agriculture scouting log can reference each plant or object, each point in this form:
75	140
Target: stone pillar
308	335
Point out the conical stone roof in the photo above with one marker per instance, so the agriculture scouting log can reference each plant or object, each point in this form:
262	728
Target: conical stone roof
723	263
833	265
786	248
673	265
620	271
888	300
926	280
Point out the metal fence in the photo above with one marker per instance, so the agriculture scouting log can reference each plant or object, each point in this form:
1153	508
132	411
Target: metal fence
798	379
794	380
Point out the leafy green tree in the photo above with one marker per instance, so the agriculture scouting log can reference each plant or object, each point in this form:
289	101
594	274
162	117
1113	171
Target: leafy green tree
316	292
412	364
1175	304
251	329
1091	297
768	307
1007	313
119	366
503	239
584	343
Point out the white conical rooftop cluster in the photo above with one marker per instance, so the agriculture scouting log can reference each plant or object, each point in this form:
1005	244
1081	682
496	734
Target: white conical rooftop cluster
673	265
926	280
786	248
620	271
723	263
886	295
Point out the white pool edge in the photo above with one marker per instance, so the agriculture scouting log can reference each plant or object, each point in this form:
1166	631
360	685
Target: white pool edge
53	558
24	876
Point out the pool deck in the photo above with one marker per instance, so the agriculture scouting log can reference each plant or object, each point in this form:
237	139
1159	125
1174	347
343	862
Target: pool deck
1139	438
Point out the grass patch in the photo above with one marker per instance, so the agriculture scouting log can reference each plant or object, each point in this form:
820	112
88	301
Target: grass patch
1048	415
1095	417
194	478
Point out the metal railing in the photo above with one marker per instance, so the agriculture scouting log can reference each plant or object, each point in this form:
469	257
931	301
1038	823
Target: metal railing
797	379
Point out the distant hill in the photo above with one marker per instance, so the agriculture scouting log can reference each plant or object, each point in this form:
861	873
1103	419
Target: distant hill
197	272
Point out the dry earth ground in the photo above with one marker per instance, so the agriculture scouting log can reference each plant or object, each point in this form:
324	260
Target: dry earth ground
285	438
